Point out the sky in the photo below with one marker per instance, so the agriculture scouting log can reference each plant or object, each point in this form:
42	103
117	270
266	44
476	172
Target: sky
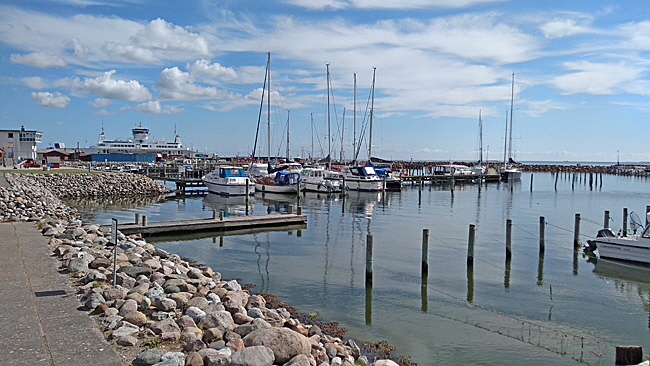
70	68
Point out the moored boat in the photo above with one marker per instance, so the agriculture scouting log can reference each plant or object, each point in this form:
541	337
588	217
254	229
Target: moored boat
632	248
362	178
229	181
282	182
320	180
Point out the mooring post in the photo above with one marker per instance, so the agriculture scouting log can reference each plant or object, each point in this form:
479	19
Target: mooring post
470	245
625	221
576	231
369	261
290	210
542	227
628	355
531	182
137	218
299	211
606	220
214	214
556	175
144	220
247	193
647	210
425	252
221	215
508	238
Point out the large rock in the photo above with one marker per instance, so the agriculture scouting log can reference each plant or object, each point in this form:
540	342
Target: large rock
165	326
135	271
218	319
284	342
253	356
148	357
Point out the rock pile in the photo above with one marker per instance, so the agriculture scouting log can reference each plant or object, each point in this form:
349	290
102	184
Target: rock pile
92	185
160	298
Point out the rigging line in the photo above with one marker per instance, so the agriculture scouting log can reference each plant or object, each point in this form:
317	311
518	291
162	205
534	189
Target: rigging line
567	230
459	250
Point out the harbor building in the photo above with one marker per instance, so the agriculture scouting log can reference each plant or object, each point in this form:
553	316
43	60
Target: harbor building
19	145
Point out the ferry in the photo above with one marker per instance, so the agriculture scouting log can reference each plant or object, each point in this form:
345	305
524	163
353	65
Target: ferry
140	144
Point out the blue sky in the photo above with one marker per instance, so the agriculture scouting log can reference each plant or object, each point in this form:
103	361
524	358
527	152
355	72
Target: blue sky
582	81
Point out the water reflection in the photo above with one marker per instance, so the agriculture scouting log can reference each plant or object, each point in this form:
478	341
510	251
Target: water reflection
88	207
230	205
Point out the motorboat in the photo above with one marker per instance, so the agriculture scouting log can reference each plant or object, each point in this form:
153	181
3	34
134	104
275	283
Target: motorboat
632	248
362	178
320	180
455	170
281	182
510	173
392	182
229	181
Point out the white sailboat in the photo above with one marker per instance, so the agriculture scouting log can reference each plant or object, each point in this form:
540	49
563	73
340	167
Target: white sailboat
274	181
509	172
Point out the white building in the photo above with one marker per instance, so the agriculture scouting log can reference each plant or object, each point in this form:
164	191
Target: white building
20	144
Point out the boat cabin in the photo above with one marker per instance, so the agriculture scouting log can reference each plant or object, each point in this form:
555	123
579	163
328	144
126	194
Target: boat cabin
231	172
362	171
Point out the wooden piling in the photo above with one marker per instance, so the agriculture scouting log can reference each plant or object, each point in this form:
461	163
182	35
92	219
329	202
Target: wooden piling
576	231
299	210
606	220
369	245
247	193
542	235
290	210
137	218
425	252
221	215
556	176
625	221
508	238
470	245
214	214
144	220
531	182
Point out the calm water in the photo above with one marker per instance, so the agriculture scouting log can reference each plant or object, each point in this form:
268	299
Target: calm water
559	309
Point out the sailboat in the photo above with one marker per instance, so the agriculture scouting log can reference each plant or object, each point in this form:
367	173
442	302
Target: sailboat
364	178
479	169
319	178
276	180
509	172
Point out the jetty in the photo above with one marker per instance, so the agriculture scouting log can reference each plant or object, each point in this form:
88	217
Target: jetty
218	224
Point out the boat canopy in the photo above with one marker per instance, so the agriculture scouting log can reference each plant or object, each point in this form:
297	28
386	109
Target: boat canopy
231	172
286	178
363	171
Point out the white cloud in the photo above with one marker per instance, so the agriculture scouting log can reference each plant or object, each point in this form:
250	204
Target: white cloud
106	87
100	102
163	36
38	59
154	107
386	4
596	78
175	84
103	112
130	53
638	34
52	100
558	28
35	82
216	70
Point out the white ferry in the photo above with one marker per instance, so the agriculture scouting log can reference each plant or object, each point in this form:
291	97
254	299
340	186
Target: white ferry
139	144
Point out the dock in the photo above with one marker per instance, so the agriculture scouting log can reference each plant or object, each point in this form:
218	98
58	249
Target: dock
217	224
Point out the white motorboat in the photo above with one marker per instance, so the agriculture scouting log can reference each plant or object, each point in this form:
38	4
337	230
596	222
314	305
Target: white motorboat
455	170
633	248
362	178
320	180
229	181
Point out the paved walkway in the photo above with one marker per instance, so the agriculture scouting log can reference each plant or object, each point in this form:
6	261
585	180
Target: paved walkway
39	320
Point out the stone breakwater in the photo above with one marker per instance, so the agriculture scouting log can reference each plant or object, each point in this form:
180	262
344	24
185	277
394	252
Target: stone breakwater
162	310
201	319
93	185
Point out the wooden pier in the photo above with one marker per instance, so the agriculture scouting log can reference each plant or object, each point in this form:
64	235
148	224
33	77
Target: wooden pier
447	179
217	224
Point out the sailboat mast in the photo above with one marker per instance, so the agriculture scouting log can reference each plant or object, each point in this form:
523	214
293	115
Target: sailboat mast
505	141
480	139
342	133
354	118
329	139
288	113
312	136
372	111
268	110
512	100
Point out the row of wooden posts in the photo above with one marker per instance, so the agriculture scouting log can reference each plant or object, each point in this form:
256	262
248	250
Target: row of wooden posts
472	236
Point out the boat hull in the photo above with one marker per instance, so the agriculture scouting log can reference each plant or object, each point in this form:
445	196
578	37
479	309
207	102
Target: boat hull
630	249
272	188
364	185
229	189
321	187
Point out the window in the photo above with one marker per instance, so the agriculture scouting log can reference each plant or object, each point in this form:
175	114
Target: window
11	135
